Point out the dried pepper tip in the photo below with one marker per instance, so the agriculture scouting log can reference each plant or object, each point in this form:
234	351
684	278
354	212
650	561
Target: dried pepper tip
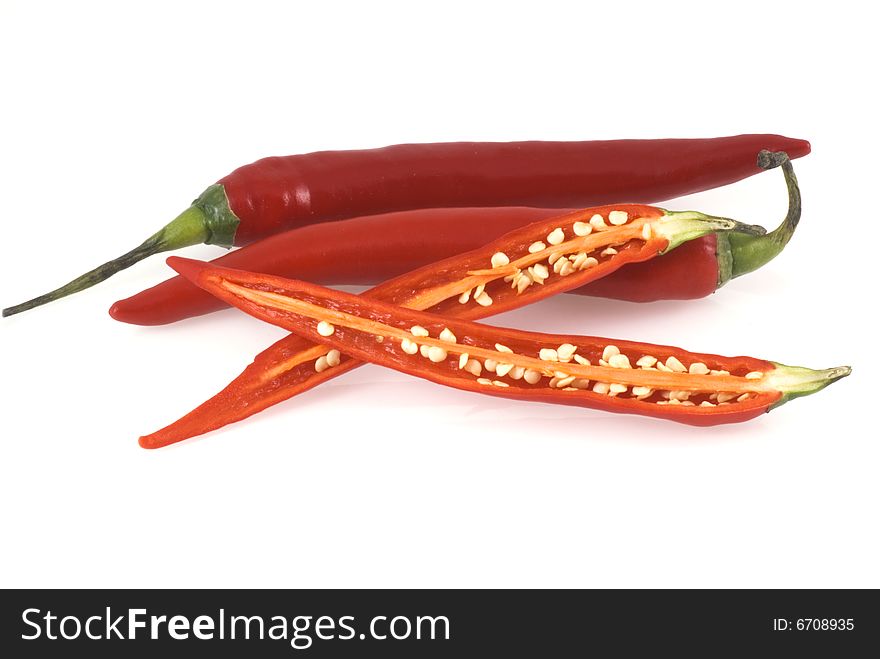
209	220
747	253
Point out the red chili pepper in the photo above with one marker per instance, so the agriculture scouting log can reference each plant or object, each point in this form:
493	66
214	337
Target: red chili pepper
372	249
524	266
275	194
620	376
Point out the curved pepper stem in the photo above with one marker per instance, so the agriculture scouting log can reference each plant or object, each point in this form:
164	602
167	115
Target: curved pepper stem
750	252
209	220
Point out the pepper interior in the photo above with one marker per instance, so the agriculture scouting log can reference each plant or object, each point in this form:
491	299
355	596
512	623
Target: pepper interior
585	243
527	361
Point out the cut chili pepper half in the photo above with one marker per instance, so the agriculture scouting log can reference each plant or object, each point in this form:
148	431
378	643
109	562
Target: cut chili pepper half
551	256
621	376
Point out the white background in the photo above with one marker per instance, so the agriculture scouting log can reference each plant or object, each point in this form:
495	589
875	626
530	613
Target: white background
114	118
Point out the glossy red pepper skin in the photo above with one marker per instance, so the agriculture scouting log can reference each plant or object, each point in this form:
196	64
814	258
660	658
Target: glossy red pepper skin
276	194
369	250
279	193
355	344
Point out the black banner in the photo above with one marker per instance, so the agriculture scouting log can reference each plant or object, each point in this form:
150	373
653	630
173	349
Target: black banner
418	623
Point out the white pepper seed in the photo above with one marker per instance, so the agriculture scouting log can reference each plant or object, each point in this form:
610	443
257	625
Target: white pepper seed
675	364
536	247
532	376
619	361
582	229
618	217
474	367
598	222
483	299
325	329
642	392
609	351
539	271
499	259
548	355
556	236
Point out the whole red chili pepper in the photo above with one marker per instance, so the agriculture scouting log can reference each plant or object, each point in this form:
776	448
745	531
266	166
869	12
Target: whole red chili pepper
280	193
372	249
521	267
619	376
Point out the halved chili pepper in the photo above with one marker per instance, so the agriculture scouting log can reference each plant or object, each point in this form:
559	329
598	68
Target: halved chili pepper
372	249
621	376
275	194
524	266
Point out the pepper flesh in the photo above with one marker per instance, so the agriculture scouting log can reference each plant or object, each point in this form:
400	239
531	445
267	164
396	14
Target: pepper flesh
622	376
274	194
284	370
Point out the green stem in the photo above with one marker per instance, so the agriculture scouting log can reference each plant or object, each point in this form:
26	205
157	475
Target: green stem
209	220
796	381
749	252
